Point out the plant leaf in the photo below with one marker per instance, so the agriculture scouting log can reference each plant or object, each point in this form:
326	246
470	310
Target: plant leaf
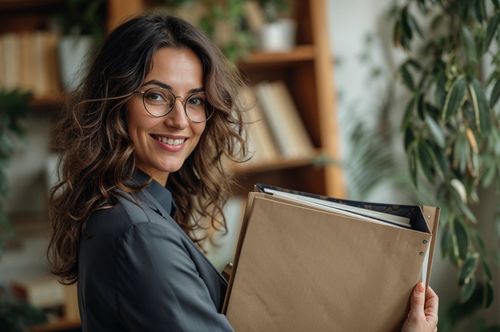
491	30
407	78
487	271
462	239
495	94
488	294
468	269
414	25
480	106
467	289
454	98
405	23
408	117
426	160
441	160
436	131
469	44
468	213
447	243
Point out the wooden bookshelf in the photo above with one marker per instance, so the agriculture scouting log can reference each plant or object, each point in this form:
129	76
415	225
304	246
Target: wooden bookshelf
266	59
307	71
60	325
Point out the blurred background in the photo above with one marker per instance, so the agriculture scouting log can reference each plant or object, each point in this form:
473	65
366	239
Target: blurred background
386	101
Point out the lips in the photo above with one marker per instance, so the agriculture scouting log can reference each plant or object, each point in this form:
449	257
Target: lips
169	140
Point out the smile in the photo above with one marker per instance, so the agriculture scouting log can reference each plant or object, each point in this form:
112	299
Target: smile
169	141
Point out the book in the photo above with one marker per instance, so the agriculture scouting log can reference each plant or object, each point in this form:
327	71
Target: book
306	262
292	121
11	58
27	62
2	63
46	74
284	121
259	139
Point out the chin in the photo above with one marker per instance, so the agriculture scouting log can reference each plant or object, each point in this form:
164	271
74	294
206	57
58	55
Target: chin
171	167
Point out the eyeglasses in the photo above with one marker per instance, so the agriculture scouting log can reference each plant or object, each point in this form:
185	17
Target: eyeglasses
159	102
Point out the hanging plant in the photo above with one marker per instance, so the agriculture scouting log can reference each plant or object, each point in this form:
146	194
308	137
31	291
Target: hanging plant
451	125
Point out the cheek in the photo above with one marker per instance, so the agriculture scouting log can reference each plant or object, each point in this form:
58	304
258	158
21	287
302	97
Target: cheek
200	131
138	123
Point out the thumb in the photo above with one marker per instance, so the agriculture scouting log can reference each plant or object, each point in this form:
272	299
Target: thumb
418	299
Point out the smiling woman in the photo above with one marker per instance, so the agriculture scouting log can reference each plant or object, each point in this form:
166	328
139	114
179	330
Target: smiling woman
148	128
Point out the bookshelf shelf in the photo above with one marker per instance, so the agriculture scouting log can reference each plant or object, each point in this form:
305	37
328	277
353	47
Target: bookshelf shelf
19	5
60	325
48	103
277	164
298	54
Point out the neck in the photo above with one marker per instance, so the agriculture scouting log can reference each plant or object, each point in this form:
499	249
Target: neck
160	177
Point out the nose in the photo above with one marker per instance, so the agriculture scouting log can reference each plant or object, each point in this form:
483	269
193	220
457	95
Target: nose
177	117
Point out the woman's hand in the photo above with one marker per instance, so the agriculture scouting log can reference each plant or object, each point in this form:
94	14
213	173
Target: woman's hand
423	315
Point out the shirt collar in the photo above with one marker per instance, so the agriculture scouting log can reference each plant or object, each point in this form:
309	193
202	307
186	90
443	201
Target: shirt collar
159	193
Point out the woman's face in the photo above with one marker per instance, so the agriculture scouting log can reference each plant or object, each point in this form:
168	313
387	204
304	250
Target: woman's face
163	144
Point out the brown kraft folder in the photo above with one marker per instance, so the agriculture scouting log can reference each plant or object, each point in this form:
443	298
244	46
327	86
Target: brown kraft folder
301	266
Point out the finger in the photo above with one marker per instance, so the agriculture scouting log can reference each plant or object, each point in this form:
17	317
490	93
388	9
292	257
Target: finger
418	299
431	304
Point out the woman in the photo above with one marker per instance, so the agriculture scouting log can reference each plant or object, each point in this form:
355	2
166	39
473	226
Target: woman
154	117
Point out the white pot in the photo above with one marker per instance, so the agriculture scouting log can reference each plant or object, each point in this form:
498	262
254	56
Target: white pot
73	58
278	36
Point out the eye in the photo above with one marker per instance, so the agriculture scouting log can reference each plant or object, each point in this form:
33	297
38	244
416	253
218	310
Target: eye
155	96
197	100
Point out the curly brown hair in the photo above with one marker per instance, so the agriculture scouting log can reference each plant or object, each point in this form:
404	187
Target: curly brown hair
98	156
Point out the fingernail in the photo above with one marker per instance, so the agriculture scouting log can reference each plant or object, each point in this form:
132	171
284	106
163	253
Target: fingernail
420	287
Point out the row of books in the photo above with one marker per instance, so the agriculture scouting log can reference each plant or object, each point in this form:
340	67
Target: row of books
29	61
274	126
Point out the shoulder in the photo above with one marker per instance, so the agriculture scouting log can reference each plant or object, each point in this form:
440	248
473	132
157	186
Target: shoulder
118	218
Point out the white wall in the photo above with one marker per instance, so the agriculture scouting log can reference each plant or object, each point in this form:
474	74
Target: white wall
27	197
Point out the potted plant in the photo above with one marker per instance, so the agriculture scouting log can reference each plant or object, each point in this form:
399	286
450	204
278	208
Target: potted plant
278	31
13	108
81	24
223	21
16	315
451	127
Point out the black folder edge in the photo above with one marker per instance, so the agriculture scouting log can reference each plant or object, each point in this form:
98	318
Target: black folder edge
412	212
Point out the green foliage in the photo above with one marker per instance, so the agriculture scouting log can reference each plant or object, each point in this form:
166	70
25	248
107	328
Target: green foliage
223	21
83	17
275	9
230	13
17	316
13	108
451	125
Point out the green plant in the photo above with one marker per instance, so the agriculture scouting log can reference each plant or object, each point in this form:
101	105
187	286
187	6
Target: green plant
223	21
82	17
451	124
275	9
16	315
13	108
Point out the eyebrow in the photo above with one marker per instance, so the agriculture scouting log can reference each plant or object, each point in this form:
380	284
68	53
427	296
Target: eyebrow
168	87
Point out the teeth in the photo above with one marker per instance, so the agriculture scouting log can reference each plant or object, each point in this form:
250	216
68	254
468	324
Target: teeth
170	141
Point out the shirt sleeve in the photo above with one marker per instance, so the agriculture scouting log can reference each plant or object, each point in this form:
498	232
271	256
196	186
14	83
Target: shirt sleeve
158	287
